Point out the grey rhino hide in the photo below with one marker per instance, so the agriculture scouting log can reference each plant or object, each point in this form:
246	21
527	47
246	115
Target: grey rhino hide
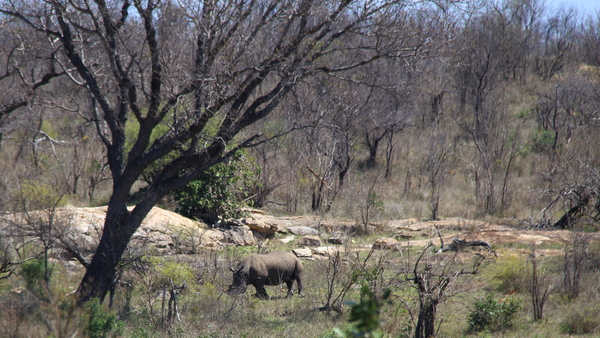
274	268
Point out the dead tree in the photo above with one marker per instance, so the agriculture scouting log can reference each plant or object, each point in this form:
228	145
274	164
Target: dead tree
569	218
432	281
173	311
458	244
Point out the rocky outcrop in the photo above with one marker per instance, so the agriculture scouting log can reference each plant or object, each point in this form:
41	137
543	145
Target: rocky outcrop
165	232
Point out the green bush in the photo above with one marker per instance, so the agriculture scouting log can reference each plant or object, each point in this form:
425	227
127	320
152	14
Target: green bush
34	274
542	140
101	324
221	191
365	315
492	315
177	272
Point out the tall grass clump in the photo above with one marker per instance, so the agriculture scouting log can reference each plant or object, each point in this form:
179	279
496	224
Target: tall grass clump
580	319
510	274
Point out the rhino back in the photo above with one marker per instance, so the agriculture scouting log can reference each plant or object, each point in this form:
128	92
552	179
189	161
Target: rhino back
275	267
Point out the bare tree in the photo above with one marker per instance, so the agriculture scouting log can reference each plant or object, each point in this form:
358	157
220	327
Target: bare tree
489	59
567	141
26	67
540	286
556	43
432	280
576	261
226	66
589	42
435	165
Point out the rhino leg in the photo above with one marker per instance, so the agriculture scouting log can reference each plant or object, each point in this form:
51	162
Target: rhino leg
300	288
290	284
261	292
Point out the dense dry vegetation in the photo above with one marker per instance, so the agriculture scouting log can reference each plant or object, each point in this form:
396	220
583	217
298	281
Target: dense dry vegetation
366	112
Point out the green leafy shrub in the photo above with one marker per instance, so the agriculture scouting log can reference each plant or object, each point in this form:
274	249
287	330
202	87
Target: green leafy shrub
221	191
162	271
492	315
542	140
365	315
34	274
177	272
101	324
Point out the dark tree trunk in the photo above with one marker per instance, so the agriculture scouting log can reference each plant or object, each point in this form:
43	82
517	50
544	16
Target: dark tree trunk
343	171
373	145
372	160
101	271
566	221
119	227
388	155
317	199
426	321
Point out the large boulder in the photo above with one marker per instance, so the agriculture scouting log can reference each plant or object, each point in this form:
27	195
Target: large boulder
309	241
211	238
386	243
260	226
337	225
239	235
338	237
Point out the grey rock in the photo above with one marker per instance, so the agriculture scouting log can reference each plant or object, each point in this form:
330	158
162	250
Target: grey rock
302	252
303	231
309	241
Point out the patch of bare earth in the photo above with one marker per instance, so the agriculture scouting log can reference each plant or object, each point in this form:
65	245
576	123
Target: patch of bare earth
422	233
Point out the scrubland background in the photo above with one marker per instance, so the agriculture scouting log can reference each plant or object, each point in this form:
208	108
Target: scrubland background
497	120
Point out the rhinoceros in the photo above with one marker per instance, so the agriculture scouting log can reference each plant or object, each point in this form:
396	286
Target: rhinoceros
274	268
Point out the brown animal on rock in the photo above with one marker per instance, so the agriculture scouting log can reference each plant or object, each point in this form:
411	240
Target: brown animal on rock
274	268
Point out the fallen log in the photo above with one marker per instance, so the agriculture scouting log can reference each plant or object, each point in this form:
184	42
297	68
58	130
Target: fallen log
458	244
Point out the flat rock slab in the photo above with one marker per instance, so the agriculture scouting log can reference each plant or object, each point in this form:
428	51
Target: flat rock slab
302	253
287	239
303	231
450	223
326	250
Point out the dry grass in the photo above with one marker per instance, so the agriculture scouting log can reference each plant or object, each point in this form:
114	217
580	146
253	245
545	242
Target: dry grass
205	311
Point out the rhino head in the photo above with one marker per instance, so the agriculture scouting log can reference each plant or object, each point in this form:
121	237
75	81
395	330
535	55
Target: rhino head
239	285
